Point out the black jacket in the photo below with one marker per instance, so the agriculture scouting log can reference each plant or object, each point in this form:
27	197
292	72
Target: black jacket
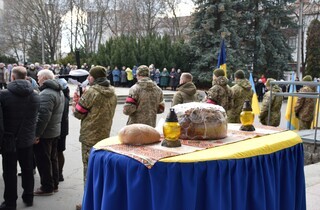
20	105
1	125
65	115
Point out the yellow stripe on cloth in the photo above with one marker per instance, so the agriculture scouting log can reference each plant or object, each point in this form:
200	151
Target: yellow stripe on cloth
244	149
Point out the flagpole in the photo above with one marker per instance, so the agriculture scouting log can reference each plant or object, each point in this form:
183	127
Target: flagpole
299	39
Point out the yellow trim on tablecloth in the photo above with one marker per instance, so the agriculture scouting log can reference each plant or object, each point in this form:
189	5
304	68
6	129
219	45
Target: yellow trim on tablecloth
244	149
107	142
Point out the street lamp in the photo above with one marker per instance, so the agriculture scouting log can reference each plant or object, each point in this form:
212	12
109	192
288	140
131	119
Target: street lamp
42	42
40	17
299	38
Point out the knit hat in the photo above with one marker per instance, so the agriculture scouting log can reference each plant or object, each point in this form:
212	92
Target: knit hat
97	72
268	81
239	74
307	78
218	72
143	71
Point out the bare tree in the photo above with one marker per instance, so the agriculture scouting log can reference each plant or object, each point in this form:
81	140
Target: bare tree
23	17
134	17
311	10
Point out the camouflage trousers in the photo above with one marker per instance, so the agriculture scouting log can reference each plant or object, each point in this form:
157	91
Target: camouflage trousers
85	149
304	125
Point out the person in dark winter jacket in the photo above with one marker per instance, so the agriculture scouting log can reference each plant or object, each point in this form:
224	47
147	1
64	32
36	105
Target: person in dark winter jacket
48	132
260	89
174	81
1	126
19	105
64	127
32	72
187	91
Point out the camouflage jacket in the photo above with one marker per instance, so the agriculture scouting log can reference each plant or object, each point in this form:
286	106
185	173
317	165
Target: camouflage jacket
304	108
144	102
275	114
187	92
96	109
241	91
220	93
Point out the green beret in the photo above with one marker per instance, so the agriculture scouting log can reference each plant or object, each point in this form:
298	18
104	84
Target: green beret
218	72
239	74
307	78
268	81
143	71
97	72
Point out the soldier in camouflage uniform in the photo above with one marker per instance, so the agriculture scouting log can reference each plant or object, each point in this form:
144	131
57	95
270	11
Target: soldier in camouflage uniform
220	93
304	108
145	100
95	109
275	114
242	91
187	91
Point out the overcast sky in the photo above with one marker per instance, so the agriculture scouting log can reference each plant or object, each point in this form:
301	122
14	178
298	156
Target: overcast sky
185	7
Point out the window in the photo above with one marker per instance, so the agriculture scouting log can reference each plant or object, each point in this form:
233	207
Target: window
292	42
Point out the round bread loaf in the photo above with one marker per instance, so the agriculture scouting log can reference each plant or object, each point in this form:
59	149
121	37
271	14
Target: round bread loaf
201	121
138	134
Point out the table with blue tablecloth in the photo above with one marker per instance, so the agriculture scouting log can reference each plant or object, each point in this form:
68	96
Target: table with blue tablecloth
261	173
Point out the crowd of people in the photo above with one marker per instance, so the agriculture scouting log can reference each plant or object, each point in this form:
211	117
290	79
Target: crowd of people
34	106
126	77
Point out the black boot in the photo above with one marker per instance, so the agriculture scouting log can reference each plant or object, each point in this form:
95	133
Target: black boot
4	206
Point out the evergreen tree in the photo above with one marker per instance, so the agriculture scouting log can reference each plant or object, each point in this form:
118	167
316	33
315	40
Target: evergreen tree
313	50
263	35
210	20
253	36
152	49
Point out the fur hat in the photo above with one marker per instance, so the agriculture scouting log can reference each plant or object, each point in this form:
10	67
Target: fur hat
143	71
268	81
239	74
97	72
218	72
307	78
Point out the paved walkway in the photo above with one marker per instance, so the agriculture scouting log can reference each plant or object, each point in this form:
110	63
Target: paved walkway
71	190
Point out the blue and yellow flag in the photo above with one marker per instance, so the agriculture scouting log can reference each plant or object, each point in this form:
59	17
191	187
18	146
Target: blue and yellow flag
254	102
292	120
222	58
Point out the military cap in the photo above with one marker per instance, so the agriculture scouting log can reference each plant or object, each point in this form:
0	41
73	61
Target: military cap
307	78
98	71
218	72
143	71
239	74
268	81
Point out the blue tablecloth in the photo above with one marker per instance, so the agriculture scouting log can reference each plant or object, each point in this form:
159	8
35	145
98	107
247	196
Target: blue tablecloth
266	182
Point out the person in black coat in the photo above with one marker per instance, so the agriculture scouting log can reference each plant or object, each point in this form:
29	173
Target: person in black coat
260	89
64	127
20	105
1	126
